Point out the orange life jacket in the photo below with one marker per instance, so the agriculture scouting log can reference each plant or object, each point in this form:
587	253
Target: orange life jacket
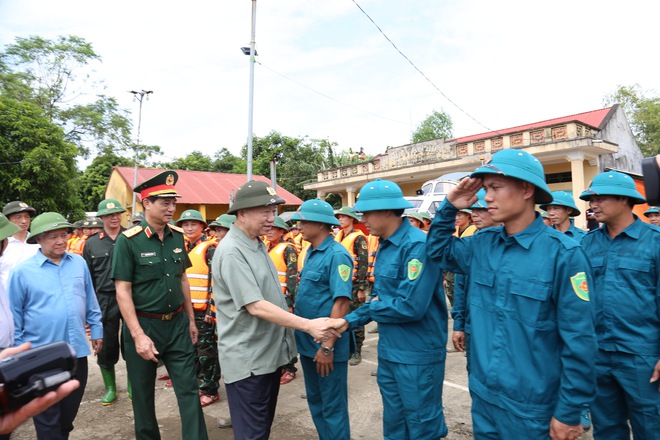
79	246
198	276
71	243
372	248
277	255
303	254
349	243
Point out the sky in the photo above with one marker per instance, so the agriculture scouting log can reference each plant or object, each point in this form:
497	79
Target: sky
325	71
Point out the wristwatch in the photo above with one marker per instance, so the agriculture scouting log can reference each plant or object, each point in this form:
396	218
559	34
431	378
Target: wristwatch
326	351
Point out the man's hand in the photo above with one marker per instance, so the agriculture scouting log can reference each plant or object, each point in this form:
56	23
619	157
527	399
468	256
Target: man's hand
97	344
560	431
361	296
192	328
145	347
656	373
458	339
464	195
320	329
9	422
324	363
339	324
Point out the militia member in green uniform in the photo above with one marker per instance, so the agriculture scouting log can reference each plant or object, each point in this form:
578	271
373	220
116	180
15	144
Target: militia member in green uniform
148	266
355	243
98	255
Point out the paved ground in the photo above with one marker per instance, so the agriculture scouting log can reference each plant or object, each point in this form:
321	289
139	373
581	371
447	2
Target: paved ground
292	420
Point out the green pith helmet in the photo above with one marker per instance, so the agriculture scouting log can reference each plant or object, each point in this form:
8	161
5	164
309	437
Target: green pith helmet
466	211
46	222
347	210
254	194
481	200
544	214
191	214
425	215
78	224
161	185
17	206
7	228
381	195
613	183
95	222
416	215
651	210
563	198
520	165
316	210
223	221
138	218
109	206
279	223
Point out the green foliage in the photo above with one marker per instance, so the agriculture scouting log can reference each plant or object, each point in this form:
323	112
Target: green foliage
37	165
643	114
225	162
92	182
436	125
48	73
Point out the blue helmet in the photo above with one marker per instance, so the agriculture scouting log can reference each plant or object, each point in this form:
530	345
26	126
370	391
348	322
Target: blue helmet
481	202
651	210
613	183
563	198
520	165
381	195
316	210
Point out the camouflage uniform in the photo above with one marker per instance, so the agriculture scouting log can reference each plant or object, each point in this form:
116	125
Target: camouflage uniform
360	283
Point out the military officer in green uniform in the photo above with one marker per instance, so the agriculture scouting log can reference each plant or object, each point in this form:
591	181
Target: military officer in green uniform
98	256
153	293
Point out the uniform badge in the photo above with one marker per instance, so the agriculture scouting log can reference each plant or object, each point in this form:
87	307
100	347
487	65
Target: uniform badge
170	180
414	269
271	191
580	287
344	272
23	205
187	214
110	205
294	258
364	245
177	250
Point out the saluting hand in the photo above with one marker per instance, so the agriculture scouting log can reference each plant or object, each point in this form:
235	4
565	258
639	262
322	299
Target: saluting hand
464	194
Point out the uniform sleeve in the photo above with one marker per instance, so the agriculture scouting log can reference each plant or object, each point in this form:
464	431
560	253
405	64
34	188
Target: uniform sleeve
416	285
88	258
459	311
291	258
237	276
123	263
17	297
575	321
341	274
449	252
93	311
362	253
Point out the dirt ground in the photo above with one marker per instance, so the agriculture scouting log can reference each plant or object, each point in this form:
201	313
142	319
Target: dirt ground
292	420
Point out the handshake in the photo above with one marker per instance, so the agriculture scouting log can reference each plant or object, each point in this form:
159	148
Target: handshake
322	329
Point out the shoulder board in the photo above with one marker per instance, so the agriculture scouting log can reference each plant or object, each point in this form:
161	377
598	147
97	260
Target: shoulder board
176	228
133	231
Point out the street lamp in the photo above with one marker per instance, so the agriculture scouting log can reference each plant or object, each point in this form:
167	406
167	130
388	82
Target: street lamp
139	96
252	52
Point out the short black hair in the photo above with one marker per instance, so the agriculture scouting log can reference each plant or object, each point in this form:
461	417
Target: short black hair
397	212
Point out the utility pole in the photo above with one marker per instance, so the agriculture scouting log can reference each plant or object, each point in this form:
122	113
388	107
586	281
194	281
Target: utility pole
251	98
139	96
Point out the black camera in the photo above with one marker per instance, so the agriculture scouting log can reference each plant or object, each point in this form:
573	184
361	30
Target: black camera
34	373
651	171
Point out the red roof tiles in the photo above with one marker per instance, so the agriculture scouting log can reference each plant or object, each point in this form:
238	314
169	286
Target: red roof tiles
202	187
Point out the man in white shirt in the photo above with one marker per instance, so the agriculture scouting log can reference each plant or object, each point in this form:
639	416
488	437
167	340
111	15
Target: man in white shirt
18	249
7	228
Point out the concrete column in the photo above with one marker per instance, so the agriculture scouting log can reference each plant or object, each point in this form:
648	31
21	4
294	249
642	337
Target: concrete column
350	195
578	185
320	195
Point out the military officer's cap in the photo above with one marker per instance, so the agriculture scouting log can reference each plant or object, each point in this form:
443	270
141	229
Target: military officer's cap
316	210
17	206
253	195
191	214
46	222
651	210
109	206
481	200
381	195
521	165
349	211
279	223
613	183
223	221
7	228
161	185
563	198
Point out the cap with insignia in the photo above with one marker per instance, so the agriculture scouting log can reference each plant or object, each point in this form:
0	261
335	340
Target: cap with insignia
7	228
565	199
613	183
349	211
17	206
253	195
161	185
316	210
95	222
109	206
651	210
191	214
46	222
381	195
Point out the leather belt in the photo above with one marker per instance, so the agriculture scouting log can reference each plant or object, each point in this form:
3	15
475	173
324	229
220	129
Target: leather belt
161	316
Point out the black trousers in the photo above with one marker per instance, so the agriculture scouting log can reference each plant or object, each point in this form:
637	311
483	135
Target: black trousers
252	403
56	422
111	319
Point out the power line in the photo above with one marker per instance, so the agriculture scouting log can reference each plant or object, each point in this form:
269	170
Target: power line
330	97
417	69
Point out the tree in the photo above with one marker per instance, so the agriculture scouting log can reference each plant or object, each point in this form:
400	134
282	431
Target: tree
37	164
195	161
225	162
46	73
93	181
643	113
436	125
